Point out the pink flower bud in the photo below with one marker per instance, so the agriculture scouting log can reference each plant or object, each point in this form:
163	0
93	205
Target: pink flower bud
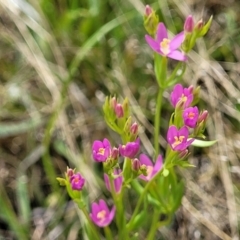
134	128
119	110
136	165
203	116
189	24
114	153
199	25
70	172
148	10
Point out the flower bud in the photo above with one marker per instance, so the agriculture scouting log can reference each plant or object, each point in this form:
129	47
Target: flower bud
150	21
136	165
203	116
199	25
189	24
119	110
134	128
183	154
70	172
115	153
148	10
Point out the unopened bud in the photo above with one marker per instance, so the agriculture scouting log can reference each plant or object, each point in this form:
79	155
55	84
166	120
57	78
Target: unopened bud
115	153
119	110
189	24
148	10
70	172
191	88
136	165
134	128
183	154
144	170
203	116
199	25
113	102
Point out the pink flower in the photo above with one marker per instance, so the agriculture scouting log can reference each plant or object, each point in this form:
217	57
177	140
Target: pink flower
190	116
181	95
101	150
165	46
101	215
130	149
77	181
151	170
178	139
117	182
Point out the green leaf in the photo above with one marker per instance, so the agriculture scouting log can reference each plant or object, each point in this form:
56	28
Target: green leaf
201	143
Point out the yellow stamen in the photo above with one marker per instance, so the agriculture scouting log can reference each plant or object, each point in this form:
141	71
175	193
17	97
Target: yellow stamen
164	46
101	215
191	115
101	151
178	140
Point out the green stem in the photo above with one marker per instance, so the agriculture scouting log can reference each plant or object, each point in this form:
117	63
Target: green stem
157	121
121	221
94	230
144	192
154	225
108	233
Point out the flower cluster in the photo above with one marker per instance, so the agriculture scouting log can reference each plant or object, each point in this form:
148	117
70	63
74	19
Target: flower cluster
186	118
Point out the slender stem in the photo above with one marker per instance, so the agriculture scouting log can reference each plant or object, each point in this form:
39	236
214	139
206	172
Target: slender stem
94	230
157	121
144	192
154	225
108	233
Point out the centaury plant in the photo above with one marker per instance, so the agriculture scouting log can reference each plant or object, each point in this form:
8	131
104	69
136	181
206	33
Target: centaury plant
152	179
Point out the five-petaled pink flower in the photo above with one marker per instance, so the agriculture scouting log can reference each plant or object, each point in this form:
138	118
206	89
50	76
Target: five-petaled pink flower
77	181
151	170
190	116
101	215
181	95
130	149
165	46
117	181
101	150
178	139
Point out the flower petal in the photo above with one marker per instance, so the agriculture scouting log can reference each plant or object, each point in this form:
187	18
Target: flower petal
103	206
172	132
158	164
161	32
152	43
184	132
177	55
177	41
145	160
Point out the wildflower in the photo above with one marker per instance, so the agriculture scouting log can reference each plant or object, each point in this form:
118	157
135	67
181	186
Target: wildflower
181	96
178	139
101	215
165	46
101	150
130	149
151	170
77	181
117	182
190	116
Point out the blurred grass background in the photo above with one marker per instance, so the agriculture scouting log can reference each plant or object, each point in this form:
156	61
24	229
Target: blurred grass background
58	61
